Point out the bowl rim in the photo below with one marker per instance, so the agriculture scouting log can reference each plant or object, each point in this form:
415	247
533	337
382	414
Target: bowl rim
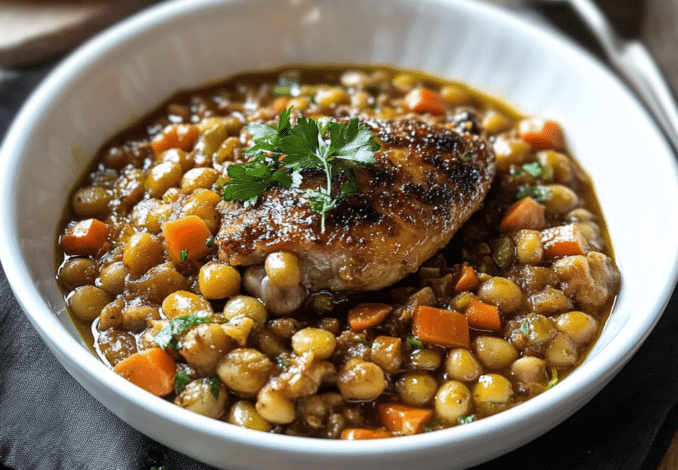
599	370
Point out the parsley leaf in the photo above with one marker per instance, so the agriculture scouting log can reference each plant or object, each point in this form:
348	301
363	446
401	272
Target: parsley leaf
466	419
167	335
281	154
183	256
415	342
525	327
181	379
214	383
538	193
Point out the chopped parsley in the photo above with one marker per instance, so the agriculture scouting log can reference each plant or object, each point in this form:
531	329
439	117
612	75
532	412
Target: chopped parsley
214	383
167	335
363	340
525	327
181	379
282	154
538	193
554	378
466	419
183	256
415	342
209	242
535	169
430	427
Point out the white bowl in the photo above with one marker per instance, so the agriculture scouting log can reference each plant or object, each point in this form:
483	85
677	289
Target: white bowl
128	70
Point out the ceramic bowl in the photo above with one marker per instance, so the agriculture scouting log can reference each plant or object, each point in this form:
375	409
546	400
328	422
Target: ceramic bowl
123	73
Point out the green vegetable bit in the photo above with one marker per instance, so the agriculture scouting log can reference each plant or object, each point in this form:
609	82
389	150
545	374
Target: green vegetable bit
525	327
415	342
538	193
466	419
183	256
329	147
214	383
181	379
167	335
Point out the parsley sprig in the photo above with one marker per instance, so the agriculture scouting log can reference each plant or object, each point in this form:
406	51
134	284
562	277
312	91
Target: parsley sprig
283	153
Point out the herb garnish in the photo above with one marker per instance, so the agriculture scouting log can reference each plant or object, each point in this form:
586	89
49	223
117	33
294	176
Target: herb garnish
209	242
214	383
181	379
525	327
283	153
538	193
166	336
466	419
554	378
183	256
533	168
415	342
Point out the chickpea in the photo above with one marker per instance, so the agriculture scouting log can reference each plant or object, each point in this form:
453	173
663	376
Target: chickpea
452	401
494	353
549	301
561	351
462	365
76	272
184	159
203	397
319	342
135	319
299	103
226	150
246	306
528	247
274	407
157	283
502	293
245	414
425	359
111	315
331	97
455	95
562	167
529	373
494	122
245	371
112	277
239	328
91	201
510	151
182	303
416	388
204	346
361	380
282	301
142	252
580	327
87	302
560	200
162	177
218	280
251	280
116	345
198	178
492	393
283	269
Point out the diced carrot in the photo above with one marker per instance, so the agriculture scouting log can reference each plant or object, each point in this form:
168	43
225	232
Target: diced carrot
181	136
367	315
483	316
422	100
85	238
280	104
403	419
542	134
152	369
359	433
440	327
468	279
565	240
523	214
186	238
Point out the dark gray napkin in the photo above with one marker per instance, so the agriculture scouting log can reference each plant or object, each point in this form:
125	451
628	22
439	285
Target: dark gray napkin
48	421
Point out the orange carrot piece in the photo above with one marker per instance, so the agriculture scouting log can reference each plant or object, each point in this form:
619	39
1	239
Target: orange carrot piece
403	419
565	240
279	104
483	316
186	238
422	100
359	433
440	327
85	238
523	214
181	136
152	369
542	134
367	315
468	279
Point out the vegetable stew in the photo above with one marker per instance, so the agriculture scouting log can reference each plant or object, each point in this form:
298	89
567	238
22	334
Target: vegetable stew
502	311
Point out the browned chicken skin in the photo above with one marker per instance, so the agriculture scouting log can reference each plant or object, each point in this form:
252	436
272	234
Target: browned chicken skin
426	182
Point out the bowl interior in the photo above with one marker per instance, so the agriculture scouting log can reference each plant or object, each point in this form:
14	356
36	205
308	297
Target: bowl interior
122	74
